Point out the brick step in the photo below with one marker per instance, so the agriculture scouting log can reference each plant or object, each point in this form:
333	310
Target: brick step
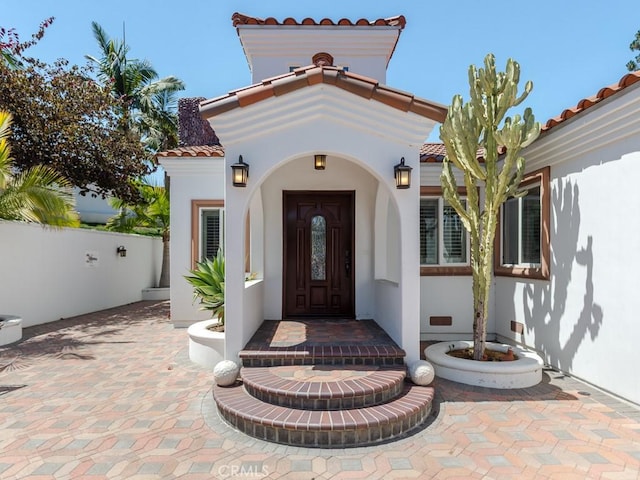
321	387
334	428
322	355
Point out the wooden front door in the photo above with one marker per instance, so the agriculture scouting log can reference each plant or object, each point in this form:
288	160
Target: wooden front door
318	254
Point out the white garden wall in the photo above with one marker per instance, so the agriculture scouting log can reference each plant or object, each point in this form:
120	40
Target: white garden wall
48	274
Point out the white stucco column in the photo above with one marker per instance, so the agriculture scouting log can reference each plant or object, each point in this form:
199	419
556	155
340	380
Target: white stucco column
408	202
236	200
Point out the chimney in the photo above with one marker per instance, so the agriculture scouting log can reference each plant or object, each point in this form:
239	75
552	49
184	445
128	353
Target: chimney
193	130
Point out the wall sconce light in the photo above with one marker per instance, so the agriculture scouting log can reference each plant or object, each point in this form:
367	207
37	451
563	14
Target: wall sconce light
402	174
240	173
122	251
319	162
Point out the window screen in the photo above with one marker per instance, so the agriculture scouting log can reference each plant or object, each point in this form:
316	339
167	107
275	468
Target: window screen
211	233
429	231
521	229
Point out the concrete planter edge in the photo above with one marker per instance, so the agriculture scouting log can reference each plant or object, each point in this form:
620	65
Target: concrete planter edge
524	372
10	329
206	348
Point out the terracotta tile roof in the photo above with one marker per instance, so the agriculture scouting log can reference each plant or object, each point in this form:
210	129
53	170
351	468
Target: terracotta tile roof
241	19
429	152
626	81
432	152
362	86
196	151
435	152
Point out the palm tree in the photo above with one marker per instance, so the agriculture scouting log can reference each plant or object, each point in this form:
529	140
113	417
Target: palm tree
135	82
160	122
38	194
152	212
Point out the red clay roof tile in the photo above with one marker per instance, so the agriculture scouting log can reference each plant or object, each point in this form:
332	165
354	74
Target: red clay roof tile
626	81
429	152
242	19
202	151
306	76
432	152
435	152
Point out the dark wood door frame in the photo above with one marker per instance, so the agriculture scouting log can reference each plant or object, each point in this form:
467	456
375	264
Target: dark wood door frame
334	294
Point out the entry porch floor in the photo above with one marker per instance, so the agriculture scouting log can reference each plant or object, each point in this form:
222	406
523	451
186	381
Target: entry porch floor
321	341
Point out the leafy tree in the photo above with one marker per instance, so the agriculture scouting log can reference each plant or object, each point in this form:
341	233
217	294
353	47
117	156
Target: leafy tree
148	103
37	194
64	119
11	48
634	64
481	123
151	212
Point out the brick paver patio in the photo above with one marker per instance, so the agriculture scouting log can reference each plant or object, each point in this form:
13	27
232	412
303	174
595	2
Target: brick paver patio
114	395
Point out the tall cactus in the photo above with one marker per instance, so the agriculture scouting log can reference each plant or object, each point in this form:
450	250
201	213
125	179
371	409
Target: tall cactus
478	124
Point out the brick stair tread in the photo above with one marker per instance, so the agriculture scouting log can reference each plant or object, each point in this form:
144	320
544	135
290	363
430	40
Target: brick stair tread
373	380
236	401
324	351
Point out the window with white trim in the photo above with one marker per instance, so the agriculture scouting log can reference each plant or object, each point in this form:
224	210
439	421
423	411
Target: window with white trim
521	229
443	238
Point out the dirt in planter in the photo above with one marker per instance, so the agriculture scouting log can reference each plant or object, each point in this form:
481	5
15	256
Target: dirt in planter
215	327
489	355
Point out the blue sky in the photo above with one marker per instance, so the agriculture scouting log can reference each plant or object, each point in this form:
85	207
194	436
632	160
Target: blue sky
569	49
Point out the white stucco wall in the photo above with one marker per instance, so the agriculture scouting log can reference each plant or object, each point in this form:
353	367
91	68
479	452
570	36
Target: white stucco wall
272	50
46	274
191	179
449	296
370	66
584	320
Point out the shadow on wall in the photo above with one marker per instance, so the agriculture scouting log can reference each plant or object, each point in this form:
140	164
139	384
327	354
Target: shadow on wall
545	304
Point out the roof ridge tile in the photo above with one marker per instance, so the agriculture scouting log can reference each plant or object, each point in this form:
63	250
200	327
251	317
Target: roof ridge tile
240	19
193	151
360	85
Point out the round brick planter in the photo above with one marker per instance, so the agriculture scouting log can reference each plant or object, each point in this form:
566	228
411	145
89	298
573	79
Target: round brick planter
524	372
10	329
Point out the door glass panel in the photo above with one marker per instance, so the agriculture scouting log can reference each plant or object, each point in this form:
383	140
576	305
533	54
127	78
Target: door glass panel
318	248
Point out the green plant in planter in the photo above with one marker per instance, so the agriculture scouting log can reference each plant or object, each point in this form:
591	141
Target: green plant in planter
481	123
207	280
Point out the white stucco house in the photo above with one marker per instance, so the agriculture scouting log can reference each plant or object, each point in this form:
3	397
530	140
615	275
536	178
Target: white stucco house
565	282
